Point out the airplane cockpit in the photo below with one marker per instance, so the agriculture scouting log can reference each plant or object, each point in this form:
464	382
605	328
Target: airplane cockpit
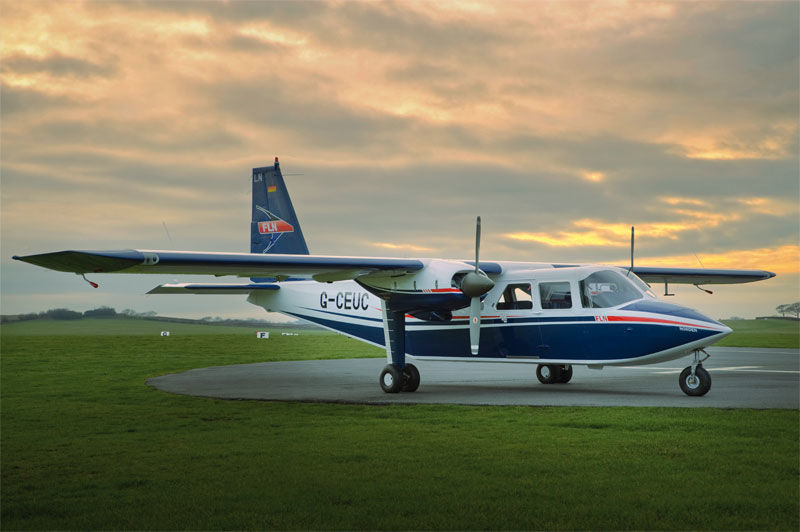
607	288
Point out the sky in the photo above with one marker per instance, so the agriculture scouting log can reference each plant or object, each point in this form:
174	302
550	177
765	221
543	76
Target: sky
137	124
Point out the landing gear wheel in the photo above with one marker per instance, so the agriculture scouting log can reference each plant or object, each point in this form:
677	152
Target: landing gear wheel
410	378
391	379
566	374
697	384
548	374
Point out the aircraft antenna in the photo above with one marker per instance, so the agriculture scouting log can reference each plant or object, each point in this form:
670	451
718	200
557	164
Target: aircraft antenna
700	261
166	230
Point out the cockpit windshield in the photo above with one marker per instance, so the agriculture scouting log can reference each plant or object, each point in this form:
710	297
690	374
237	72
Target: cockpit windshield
644	287
607	288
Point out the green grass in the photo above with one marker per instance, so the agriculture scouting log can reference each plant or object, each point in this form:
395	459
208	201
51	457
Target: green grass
87	445
763	333
126	326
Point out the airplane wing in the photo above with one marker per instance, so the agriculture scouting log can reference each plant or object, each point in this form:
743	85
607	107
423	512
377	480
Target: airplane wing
698	276
321	268
318	267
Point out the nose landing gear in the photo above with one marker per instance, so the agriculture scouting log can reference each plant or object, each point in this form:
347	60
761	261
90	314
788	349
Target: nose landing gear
695	380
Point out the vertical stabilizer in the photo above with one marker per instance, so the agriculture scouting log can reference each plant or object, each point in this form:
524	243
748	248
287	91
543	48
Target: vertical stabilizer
274	227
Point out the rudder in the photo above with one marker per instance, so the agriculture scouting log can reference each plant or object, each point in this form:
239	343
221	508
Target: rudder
274	227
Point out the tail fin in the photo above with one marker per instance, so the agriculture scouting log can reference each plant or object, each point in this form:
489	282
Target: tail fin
274	227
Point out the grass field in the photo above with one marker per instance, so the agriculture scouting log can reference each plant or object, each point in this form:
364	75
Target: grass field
127	326
87	445
763	333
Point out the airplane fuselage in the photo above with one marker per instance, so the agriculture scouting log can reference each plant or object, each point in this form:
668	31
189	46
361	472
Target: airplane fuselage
543	316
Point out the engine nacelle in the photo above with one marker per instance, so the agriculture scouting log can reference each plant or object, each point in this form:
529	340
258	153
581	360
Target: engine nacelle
435	287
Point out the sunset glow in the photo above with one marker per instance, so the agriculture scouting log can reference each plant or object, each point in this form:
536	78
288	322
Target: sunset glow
561	123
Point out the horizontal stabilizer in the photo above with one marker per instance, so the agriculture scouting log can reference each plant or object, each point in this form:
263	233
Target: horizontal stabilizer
222	289
699	275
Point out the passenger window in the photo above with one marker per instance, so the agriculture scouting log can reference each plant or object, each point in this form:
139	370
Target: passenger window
555	295
515	297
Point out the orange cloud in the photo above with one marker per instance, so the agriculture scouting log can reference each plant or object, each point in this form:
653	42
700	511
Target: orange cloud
685	201
594	177
771	206
783	259
599	233
403	247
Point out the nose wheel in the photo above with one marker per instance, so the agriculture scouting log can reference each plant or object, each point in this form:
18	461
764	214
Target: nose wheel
695	380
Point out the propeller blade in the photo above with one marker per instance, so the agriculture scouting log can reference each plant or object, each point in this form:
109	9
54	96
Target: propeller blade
474	324
474	284
631	248
631	268
477	241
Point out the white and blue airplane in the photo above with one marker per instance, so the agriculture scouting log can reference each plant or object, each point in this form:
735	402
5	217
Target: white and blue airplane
553	315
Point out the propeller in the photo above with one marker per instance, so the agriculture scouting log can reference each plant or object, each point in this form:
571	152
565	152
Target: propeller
474	285
631	268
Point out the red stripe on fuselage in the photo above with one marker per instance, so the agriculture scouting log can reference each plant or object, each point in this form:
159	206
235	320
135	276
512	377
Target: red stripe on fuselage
656	320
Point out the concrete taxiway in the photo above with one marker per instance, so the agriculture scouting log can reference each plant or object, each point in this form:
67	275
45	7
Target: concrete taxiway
741	378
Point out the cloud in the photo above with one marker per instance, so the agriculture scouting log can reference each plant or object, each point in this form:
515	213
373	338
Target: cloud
780	260
561	123
401	247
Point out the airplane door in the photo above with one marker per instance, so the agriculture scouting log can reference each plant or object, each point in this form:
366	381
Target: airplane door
515	333
560	333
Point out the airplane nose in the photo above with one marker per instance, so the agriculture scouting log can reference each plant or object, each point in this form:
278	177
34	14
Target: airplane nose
720	330
724	330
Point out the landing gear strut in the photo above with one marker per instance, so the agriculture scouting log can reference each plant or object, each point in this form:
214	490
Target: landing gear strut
695	380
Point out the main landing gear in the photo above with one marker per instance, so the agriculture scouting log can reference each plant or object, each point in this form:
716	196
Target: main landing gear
552	374
393	379
695	380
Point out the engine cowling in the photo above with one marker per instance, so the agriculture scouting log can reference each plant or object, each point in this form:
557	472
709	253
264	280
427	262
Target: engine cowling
433	291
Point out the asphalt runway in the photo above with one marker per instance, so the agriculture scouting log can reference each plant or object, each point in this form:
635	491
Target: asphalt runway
741	378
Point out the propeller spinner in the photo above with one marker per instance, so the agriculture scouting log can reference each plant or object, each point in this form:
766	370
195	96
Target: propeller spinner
474	285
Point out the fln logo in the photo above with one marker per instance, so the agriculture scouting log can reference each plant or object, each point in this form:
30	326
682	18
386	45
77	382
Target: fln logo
274	226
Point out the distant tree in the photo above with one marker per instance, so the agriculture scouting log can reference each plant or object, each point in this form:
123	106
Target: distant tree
61	314
789	308
101	312
128	312
148	314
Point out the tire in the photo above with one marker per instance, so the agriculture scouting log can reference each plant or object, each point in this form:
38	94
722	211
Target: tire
410	378
697	386
548	374
391	379
566	374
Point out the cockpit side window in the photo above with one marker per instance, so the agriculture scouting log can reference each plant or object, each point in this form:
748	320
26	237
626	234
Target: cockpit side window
606	289
555	295
516	296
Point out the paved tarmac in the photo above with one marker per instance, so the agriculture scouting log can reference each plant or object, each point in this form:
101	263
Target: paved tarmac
741	378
